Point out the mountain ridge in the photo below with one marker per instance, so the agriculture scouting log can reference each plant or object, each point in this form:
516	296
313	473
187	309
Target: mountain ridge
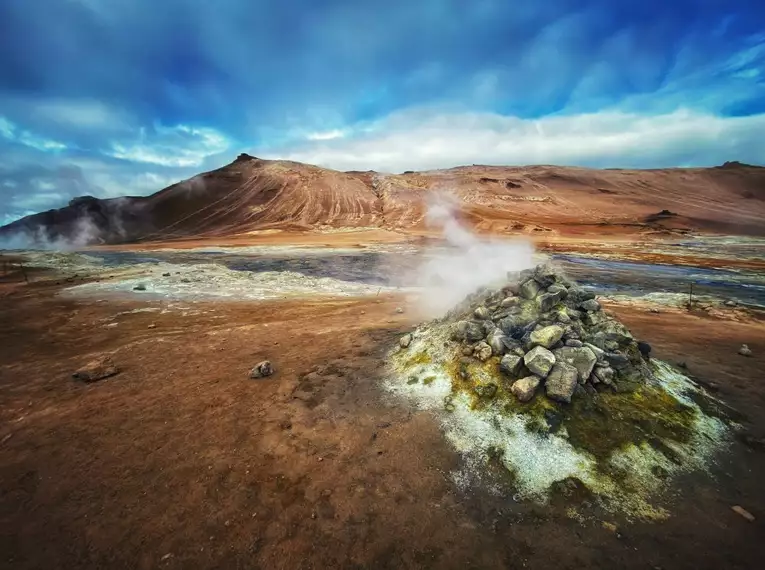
251	195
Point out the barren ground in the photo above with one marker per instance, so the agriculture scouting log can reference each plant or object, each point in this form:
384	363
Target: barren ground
181	461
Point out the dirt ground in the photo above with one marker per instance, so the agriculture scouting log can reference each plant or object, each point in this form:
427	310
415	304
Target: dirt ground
182	461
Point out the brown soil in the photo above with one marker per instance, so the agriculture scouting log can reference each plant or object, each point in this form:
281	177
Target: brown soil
181	461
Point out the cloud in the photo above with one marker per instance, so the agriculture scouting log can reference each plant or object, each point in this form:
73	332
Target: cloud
179	146
14	134
133	94
419	139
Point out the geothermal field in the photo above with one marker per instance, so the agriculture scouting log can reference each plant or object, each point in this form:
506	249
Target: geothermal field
279	366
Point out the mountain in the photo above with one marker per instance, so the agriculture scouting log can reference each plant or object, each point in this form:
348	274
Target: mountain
252	195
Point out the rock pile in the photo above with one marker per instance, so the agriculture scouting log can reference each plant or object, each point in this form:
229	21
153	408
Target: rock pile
547	332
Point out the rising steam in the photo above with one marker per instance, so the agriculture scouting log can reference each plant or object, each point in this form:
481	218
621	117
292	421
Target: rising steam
466	261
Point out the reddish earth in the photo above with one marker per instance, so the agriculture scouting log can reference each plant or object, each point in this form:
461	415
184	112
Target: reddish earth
253	195
181	461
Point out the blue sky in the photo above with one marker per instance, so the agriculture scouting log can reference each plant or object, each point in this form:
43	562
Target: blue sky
110	98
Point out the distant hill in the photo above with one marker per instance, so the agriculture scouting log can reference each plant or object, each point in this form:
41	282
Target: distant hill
251	194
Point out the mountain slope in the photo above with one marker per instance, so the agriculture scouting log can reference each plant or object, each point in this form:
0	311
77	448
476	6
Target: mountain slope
251	195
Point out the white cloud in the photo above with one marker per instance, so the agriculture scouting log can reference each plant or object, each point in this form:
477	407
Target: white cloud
178	146
11	132
326	135
419	139
39	201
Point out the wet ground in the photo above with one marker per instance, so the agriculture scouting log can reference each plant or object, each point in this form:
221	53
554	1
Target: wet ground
398	268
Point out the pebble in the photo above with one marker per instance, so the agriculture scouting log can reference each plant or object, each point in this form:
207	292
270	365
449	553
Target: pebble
399	310
743	512
745	350
152	326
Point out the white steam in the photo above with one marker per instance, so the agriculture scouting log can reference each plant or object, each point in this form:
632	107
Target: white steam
466	261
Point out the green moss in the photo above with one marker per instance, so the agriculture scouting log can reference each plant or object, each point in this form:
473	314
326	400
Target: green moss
418	358
618	420
597	425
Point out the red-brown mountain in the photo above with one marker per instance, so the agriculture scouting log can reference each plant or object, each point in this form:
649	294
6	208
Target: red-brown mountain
251	194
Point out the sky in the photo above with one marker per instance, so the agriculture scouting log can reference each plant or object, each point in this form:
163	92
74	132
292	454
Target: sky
107	98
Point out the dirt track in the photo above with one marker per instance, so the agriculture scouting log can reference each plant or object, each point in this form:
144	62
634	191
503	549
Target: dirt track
181	461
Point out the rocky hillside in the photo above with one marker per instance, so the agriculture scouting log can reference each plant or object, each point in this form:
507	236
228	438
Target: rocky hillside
252	195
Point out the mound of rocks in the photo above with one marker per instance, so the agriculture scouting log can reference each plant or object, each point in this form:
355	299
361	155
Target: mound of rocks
546	332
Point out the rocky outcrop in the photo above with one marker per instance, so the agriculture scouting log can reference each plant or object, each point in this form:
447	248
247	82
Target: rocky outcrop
541	329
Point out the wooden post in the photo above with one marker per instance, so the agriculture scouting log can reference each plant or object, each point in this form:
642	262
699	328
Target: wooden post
23	272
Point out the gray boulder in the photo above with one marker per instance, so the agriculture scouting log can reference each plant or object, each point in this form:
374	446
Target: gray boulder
545	275
511	364
482	351
508	302
575	343
578	295
469	330
405	341
539	360
481	313
617	360
529	289
599	353
547	336
561	382
590	305
524	388
548	300
556	288
604	375
496	340
583	359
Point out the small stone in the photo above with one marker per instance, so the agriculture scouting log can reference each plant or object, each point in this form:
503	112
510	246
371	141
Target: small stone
540	361
561	382
591	305
548	300
508	302
482	351
165	275
547	336
599	353
139	287
399	310
167	556
405	341
655	310
511	364
604	375
545	275
152	326
617	360
487	390
745	350
481	313
497	342
529	289
524	388
574	343
644	348
97	369
262	369
467	350
730	303
743	512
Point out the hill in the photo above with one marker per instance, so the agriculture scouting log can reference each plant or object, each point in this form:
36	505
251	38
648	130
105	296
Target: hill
253	195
